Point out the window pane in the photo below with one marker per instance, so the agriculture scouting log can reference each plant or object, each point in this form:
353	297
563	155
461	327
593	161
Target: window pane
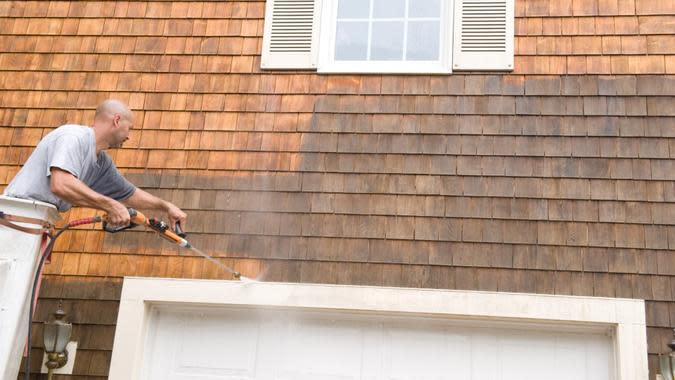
424	8
353	9
351	41
423	40
389	8
387	42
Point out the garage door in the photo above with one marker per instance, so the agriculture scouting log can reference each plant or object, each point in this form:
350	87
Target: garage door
280	344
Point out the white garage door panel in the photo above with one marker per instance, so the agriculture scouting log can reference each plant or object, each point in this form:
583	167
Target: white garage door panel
424	353
266	344
191	345
559	357
320	350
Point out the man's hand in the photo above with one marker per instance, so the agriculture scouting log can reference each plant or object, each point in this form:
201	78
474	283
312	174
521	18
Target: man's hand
143	200
118	214
175	215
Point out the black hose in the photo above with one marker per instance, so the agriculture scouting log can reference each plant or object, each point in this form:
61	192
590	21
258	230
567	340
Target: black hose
45	254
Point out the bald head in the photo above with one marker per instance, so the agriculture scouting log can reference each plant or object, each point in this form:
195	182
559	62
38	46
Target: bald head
112	122
111	107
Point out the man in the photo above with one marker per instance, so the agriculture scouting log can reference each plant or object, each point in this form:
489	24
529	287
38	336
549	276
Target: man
70	167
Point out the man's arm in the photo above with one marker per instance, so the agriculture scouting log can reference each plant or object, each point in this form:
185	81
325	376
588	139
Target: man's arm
67	187
143	200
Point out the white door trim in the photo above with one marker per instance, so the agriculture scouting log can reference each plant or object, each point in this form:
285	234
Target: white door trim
623	318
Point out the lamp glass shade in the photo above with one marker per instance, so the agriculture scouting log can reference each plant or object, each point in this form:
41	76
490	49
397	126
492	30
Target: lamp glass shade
56	336
63	336
49	336
666	365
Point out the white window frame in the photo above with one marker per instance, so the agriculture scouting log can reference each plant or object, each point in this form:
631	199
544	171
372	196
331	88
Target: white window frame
624	319
326	50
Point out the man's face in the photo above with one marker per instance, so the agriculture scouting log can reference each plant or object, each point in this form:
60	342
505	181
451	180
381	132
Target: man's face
122	125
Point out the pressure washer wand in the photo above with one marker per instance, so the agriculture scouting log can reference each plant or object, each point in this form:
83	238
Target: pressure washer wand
138	219
177	237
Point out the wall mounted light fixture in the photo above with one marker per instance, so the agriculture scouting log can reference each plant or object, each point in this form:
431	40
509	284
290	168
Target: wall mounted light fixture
667	362
56	337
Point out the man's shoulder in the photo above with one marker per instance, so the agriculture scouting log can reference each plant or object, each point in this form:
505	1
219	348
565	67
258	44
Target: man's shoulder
78	132
72	129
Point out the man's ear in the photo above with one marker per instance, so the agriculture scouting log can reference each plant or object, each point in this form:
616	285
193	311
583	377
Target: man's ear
116	120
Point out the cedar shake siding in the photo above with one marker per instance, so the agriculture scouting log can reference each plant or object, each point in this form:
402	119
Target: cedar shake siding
556	178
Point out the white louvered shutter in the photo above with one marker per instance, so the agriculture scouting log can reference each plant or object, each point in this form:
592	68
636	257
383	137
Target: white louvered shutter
483	36
291	34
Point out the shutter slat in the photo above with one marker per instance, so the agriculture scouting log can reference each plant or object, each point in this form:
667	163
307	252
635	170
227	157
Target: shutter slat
290	35
483	35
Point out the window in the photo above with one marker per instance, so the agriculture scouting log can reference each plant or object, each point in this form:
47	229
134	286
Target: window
389	36
386	36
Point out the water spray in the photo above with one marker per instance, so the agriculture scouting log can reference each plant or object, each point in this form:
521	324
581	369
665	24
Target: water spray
177	237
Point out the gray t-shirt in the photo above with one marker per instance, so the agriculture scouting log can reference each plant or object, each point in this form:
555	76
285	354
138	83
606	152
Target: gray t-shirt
71	148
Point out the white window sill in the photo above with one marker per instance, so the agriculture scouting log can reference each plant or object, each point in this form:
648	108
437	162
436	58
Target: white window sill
385	67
